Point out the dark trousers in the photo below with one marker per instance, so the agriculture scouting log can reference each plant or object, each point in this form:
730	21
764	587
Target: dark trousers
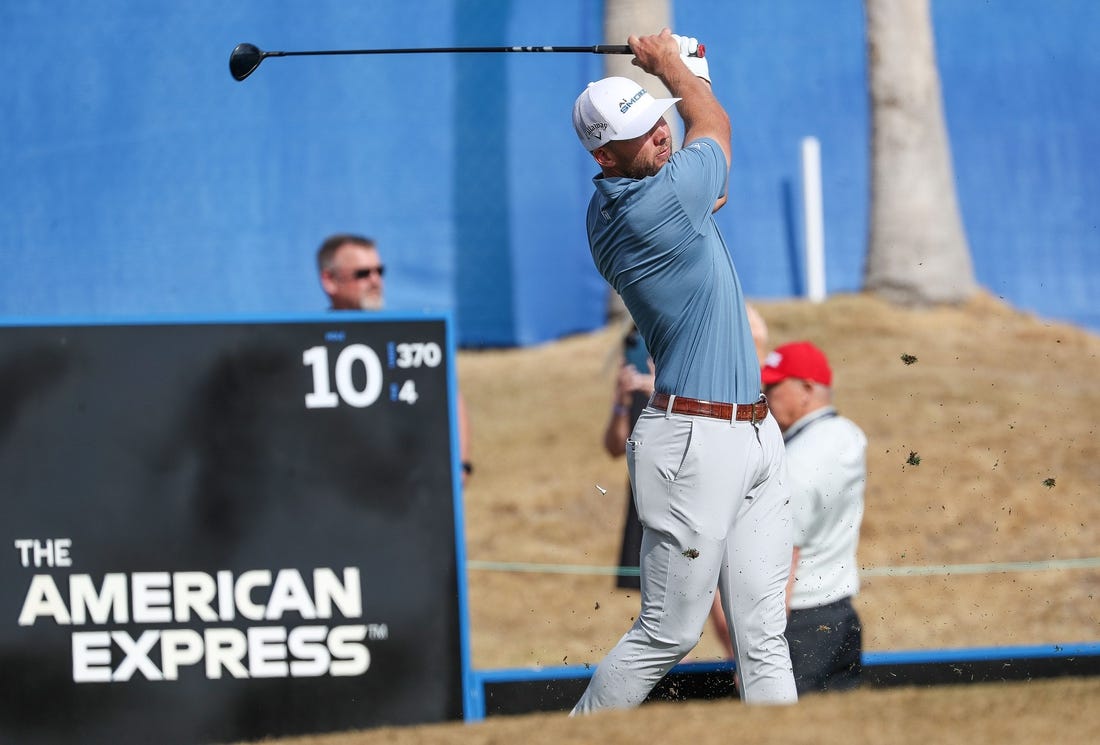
632	544
630	552
826	647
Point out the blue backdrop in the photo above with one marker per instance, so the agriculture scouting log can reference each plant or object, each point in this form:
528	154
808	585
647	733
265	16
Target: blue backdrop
137	177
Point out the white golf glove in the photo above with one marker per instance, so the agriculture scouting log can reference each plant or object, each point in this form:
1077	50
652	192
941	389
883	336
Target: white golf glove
690	46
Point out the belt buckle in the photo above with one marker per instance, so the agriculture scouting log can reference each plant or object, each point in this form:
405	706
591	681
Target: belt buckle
762	400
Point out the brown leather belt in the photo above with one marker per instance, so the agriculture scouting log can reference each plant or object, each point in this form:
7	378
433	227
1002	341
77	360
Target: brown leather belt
756	412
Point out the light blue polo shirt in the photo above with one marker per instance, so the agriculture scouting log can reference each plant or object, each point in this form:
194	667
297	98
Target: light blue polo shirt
655	241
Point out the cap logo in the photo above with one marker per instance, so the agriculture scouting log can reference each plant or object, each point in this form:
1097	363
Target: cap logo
774	359
625	104
592	130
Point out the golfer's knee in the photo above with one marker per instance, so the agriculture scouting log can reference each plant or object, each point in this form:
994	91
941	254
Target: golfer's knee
680	641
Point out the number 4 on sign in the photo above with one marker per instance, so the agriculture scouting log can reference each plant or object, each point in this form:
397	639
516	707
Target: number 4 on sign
408	392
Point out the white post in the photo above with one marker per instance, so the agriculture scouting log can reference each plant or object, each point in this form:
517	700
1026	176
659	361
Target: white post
813	213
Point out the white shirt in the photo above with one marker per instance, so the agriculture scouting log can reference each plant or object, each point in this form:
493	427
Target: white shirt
827	473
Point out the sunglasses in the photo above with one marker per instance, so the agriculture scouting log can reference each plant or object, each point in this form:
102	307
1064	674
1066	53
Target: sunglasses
367	272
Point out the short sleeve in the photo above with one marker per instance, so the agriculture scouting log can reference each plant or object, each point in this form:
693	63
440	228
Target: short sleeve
698	175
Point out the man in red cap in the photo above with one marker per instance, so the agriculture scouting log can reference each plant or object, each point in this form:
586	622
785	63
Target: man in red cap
827	472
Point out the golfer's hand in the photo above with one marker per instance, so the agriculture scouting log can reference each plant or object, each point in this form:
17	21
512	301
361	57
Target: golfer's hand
655	53
691	52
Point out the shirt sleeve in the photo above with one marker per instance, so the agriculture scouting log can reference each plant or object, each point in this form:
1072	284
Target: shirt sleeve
698	174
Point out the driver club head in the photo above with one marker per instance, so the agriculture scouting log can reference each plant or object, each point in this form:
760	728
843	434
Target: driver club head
244	59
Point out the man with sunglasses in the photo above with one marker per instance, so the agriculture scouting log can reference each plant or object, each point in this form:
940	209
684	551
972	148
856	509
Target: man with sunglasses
827	474
351	272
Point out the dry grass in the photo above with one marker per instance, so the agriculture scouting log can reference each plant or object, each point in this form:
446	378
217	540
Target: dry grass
996	403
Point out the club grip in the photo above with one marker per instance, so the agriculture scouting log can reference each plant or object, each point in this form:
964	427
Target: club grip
701	50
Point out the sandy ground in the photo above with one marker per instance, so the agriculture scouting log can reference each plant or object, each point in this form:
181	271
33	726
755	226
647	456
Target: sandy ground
1035	713
1000	408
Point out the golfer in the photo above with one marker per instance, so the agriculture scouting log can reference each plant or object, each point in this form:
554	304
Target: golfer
706	457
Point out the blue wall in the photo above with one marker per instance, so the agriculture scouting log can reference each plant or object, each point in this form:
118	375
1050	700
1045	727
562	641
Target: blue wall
137	177
1022	93
785	70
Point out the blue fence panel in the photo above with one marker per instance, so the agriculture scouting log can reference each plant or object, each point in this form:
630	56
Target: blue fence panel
138	177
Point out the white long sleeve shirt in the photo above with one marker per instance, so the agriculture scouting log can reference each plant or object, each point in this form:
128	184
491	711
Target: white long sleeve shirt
827	472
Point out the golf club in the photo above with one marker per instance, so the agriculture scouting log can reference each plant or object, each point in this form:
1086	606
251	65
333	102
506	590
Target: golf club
246	57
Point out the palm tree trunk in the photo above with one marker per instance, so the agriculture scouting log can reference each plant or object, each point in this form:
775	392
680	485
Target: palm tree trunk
621	18
918	252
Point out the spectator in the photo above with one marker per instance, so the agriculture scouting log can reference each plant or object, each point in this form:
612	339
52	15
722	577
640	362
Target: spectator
351	270
827	473
633	387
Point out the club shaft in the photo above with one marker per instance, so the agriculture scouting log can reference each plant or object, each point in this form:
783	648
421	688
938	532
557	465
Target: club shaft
596	49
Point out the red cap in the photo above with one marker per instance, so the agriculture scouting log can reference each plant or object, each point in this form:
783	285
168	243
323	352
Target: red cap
799	359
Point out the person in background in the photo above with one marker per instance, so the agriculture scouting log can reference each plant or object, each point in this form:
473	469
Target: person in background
351	272
827	474
633	387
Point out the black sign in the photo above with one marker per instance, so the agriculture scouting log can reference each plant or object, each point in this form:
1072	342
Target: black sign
223	531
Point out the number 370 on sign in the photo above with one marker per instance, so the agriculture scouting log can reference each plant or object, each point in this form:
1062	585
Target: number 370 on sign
403	355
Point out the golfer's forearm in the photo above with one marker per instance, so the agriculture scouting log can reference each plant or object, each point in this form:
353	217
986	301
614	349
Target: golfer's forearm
702	114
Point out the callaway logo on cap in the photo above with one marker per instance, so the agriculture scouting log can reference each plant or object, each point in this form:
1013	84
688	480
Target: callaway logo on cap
616	109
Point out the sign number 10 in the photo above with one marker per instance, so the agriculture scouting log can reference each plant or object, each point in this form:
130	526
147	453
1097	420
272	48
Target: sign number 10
322	396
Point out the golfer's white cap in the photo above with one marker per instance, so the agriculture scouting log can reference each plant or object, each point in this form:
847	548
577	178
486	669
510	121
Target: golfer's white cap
616	109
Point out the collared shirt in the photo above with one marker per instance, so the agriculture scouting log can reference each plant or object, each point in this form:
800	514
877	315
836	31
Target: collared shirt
827	473
656	242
